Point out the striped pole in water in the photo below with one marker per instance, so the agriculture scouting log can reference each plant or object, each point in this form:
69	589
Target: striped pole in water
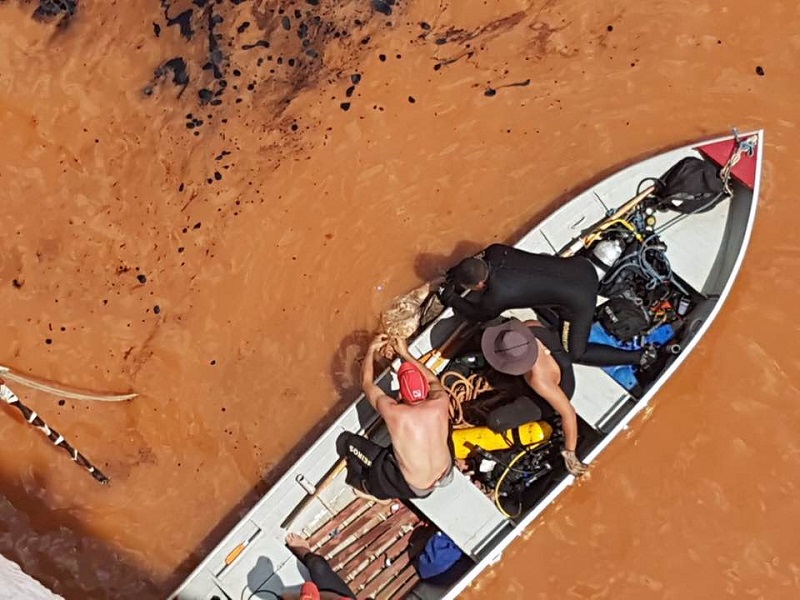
35	420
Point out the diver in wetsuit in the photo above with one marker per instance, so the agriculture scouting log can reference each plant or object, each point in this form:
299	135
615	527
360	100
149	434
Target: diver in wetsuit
535	353
502	277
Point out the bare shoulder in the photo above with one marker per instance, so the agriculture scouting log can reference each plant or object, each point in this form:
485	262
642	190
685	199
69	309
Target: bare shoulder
545	372
387	406
440	400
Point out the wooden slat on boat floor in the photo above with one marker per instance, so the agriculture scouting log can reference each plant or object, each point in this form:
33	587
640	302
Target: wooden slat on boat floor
407	587
373	535
367	545
364	575
371	580
384	537
372	589
396	584
354	530
355	508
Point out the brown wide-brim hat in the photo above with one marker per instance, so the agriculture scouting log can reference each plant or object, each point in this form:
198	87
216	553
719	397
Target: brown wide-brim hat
510	347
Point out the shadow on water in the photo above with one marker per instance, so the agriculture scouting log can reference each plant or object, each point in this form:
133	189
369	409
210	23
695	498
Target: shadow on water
49	543
429	266
346	363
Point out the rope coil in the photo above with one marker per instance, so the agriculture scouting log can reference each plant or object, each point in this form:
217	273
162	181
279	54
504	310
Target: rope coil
463	390
745	146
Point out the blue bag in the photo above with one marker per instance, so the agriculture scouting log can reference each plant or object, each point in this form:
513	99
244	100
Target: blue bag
625	375
440	554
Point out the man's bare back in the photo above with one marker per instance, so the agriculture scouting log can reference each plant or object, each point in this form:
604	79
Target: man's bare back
419	438
420	431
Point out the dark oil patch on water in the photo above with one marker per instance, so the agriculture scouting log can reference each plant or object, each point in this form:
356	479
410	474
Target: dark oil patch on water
52	9
180	73
215	54
383	6
492	91
524	83
182	20
283	46
257	44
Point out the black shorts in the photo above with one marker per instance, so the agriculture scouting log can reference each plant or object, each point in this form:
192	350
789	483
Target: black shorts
373	468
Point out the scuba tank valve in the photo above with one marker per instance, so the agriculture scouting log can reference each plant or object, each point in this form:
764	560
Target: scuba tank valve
606	253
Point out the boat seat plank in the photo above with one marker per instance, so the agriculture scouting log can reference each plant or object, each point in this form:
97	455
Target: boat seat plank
463	513
693	256
596	394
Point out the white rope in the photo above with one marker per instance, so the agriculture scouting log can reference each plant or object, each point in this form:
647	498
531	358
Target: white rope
748	145
58	390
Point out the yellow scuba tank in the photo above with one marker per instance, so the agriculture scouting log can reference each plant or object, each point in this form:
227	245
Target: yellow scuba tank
528	434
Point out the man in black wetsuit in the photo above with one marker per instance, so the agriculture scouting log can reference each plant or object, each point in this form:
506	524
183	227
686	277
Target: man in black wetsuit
535	352
325	583
502	277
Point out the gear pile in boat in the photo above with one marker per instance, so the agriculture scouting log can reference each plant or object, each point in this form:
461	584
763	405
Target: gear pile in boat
505	441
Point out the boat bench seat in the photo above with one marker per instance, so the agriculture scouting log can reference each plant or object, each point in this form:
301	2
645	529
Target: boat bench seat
464	514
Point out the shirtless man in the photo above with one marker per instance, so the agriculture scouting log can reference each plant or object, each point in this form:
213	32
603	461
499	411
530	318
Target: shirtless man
535	352
420	456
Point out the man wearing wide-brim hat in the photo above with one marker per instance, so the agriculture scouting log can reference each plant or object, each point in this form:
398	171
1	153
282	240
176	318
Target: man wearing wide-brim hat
535	352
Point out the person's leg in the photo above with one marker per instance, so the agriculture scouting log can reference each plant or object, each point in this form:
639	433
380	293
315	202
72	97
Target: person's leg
322	575
371	468
575	337
325	577
600	355
547	317
360	453
575	333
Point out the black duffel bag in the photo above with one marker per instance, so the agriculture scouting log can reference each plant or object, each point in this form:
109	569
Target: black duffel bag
691	185
514	414
623	317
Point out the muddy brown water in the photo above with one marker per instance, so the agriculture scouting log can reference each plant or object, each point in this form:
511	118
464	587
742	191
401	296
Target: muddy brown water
275	214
